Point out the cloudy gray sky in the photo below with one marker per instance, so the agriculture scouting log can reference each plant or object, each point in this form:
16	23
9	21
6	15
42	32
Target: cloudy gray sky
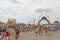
26	10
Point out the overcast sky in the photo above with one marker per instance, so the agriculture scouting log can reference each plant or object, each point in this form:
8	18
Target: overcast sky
26	10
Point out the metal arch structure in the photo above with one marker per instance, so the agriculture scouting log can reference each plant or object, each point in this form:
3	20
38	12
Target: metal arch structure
44	18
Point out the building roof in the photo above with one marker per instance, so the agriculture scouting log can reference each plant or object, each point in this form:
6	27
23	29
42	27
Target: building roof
56	21
1	23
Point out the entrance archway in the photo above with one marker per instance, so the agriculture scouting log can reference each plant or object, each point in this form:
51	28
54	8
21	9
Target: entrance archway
44	18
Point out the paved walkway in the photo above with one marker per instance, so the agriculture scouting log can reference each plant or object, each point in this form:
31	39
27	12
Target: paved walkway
33	36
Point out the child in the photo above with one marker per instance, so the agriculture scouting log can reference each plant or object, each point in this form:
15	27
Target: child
3	36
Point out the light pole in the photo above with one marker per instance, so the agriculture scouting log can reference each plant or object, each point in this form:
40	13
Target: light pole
34	21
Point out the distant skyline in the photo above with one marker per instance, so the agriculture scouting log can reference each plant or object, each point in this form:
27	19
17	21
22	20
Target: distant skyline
25	10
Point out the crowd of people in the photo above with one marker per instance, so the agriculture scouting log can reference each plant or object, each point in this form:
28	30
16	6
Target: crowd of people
6	32
47	29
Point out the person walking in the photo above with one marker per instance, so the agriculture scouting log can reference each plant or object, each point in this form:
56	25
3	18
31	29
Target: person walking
17	33
46	30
